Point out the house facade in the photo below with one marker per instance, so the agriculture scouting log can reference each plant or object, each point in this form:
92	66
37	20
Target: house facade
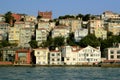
69	54
61	31
80	33
73	23
14	35
88	56
23	56
41	35
100	33
41	55
55	57
25	37
113	53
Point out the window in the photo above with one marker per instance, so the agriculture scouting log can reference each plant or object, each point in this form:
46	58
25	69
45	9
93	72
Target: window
112	52
118	56
58	59
53	60
53	54
58	54
67	59
118	52
73	59
111	56
38	52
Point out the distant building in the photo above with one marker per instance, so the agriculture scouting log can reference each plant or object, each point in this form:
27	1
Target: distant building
2	18
45	16
41	35
94	24
25	35
73	23
14	35
100	33
61	31
41	55
17	17
80	33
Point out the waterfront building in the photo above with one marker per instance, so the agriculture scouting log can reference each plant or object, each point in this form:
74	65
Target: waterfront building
23	56
88	56
113	53
55	57
41	55
7	54
69	54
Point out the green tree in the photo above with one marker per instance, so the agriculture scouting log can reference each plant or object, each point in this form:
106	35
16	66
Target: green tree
8	17
89	40
59	41
33	44
70	39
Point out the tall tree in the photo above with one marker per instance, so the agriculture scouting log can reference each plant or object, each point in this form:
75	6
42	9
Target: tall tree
9	18
89	40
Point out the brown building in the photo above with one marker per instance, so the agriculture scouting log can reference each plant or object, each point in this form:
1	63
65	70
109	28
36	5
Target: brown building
45	16
22	56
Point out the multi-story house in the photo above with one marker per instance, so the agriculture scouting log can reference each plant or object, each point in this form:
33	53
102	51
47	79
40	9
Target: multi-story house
113	25
4	26
14	35
19	24
113	53
30	18
109	14
61	31
17	17
25	37
69	53
80	33
55	57
73	23
45	16
8	54
100	33
94	24
88	56
41	55
23	56
2	18
41	35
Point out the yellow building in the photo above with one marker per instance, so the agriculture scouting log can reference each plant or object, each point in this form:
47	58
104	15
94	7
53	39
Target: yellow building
41	55
94	24
73	23
14	34
100	33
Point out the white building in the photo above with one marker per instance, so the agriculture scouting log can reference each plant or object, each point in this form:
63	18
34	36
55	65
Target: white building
41	55
70	55
80	33
113	53
55	57
41	35
88	56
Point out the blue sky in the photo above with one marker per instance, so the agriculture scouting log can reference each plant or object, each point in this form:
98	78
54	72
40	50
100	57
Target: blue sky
59	7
